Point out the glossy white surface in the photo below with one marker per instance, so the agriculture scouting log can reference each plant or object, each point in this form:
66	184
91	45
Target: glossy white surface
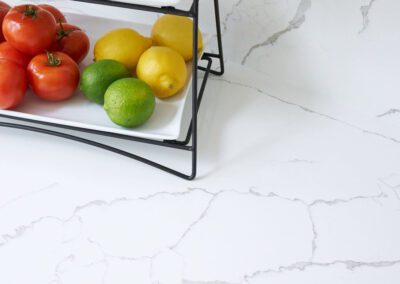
152	2
299	175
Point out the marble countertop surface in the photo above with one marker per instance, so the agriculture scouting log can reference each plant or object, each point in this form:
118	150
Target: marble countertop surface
299	167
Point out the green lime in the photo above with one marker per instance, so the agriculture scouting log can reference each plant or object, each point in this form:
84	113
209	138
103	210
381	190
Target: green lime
129	102
97	77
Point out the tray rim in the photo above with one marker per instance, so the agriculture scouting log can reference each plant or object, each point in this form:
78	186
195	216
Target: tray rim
172	3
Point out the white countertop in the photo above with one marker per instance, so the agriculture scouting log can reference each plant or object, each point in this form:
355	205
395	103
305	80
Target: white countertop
299	168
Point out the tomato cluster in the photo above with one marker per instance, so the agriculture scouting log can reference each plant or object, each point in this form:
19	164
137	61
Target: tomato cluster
38	48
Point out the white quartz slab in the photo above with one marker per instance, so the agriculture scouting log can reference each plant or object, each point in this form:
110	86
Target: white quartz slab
299	169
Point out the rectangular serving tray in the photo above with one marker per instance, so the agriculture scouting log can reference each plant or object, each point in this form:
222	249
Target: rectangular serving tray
165	123
157	3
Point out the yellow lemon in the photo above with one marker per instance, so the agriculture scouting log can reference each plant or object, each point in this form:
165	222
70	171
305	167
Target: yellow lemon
163	69
123	45
175	32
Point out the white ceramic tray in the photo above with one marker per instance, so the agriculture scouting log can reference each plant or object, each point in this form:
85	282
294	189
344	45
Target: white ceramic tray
152	2
165	123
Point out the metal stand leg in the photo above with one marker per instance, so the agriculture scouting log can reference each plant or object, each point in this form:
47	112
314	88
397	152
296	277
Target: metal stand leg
220	55
195	11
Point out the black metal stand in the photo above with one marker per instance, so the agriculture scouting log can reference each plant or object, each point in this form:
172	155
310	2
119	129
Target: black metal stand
197	97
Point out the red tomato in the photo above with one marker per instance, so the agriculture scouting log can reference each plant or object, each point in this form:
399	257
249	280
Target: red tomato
4	5
73	41
57	14
8	52
53	76
29	29
3	11
13	84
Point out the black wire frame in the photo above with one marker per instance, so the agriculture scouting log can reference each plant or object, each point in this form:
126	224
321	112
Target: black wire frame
197	97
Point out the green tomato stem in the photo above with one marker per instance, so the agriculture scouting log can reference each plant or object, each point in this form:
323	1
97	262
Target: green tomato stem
30	11
53	60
